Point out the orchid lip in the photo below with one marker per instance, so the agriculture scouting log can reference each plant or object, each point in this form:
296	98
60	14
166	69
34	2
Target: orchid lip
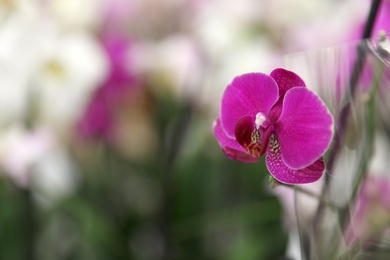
252	135
259	142
265	140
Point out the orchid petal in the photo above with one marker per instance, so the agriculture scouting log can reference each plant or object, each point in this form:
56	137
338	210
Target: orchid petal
284	174
285	80
239	155
247	95
223	139
230	146
304	129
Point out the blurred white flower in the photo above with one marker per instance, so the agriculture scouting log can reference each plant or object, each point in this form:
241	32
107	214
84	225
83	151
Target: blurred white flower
19	51
250	55
179	67
70	70
47	66
309	26
27	9
56	176
216	30
232	46
75	14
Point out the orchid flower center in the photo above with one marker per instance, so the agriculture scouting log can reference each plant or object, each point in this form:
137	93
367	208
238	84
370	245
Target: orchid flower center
260	142
260	135
254	147
254	137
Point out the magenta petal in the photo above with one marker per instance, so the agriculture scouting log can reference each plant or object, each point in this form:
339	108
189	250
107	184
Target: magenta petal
285	80
239	155
223	139
247	95
230	146
304	129
284	174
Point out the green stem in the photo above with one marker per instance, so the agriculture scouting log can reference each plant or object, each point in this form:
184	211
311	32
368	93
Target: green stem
28	219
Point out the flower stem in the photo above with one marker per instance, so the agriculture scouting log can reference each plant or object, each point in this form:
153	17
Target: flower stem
28	219
312	194
172	150
371	19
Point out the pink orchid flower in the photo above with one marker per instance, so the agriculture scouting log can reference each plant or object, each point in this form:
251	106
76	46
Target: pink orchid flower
277	116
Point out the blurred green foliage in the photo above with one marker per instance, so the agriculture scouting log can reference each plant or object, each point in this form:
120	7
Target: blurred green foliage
186	201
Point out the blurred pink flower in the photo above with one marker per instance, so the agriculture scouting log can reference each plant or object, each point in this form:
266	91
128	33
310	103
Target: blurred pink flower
371	211
21	150
98	116
279	116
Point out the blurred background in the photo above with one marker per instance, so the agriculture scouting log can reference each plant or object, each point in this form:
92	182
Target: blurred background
106	111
